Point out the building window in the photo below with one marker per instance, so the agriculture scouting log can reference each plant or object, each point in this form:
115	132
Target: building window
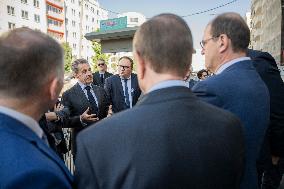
54	22
25	15
66	33
37	18
11	25
87	17
98	12
73	12
92	9
93	19
11	10
74	35
54	9
36	3
133	19
66	21
73	23
24	1
72	1
74	46
86	6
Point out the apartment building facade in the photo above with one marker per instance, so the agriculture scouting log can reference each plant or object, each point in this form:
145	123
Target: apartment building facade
81	17
267	27
65	20
23	13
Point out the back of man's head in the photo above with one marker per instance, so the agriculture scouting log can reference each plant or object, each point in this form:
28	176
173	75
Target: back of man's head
234	26
166	42
28	59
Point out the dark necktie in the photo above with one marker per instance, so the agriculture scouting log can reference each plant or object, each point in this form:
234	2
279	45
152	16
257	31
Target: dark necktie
102	78
94	108
126	95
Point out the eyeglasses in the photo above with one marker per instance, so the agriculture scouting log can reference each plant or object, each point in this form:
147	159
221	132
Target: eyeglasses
102	64
124	67
203	42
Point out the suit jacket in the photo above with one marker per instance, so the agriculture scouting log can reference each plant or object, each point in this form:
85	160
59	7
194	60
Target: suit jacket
26	161
170	139
97	80
114	90
240	90
267	68
75	100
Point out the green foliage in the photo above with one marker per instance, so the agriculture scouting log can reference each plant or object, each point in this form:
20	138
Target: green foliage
98	55
67	57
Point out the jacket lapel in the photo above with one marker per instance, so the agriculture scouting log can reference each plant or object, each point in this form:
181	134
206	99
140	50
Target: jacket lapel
80	95
119	85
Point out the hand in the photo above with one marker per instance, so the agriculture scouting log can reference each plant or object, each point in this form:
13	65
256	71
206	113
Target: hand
58	107
109	112
51	116
85	117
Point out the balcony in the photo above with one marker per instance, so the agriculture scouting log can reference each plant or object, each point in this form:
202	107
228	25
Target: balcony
54	28
56	3
55	16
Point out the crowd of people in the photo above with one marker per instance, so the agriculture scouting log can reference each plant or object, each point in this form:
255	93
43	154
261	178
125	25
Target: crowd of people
158	128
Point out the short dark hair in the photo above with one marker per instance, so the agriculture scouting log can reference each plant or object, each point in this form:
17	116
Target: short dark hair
234	26
27	59
166	41
75	64
200	72
128	58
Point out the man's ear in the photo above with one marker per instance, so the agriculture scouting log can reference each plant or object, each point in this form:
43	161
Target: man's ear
55	86
140	65
223	43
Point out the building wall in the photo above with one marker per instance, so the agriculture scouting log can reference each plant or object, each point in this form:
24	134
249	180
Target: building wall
15	17
81	19
133	18
266	27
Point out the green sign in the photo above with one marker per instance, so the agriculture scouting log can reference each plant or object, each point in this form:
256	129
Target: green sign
113	24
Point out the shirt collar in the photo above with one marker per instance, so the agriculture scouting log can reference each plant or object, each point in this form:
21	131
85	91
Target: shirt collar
167	83
230	63
125	78
25	119
83	85
101	72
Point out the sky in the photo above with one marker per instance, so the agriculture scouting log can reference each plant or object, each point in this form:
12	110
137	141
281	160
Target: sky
197	23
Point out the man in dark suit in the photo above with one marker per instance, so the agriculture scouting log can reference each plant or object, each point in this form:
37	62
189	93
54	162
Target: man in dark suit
100	76
236	85
86	102
170	139
123	90
26	161
271	160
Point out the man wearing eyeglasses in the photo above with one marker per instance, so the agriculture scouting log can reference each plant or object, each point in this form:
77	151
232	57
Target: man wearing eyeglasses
101	75
236	85
122	89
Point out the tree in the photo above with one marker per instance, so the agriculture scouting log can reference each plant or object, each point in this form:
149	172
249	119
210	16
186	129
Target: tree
67	57
98	55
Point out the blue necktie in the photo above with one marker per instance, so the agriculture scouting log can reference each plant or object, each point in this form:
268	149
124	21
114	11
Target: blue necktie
126	95
93	108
